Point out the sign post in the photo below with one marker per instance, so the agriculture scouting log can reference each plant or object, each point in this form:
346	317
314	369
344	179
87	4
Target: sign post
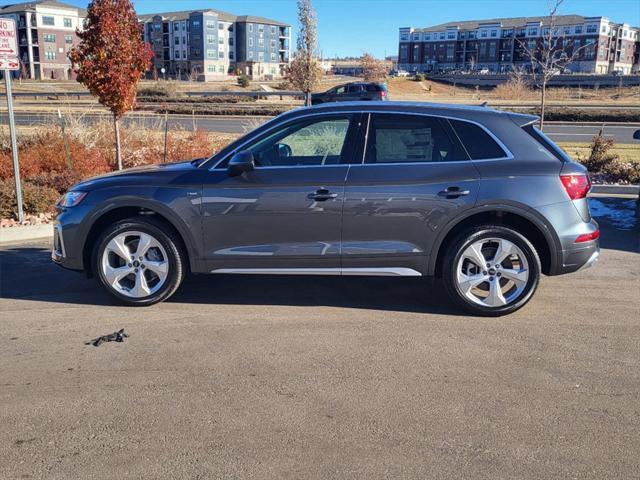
9	62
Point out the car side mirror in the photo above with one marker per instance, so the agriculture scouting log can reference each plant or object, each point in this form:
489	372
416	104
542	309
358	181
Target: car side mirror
636	135
241	162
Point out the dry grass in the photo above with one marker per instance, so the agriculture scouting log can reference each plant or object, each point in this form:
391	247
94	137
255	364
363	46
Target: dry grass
626	152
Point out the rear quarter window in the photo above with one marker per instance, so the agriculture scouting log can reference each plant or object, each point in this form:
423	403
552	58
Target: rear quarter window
477	141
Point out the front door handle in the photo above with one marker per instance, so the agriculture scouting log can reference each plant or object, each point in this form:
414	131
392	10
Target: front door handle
321	195
453	192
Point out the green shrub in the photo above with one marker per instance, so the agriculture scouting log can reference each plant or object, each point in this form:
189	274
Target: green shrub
243	81
36	199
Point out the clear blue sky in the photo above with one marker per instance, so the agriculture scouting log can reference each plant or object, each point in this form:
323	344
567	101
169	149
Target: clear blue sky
349	27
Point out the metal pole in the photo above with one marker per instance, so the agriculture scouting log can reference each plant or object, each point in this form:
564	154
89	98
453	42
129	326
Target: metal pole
166	129
14	144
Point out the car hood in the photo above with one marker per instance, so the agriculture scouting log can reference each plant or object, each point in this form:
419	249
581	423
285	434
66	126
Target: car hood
145	174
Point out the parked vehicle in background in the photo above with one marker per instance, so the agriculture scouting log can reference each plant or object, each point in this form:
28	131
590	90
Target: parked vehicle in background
352	92
478	198
401	73
484	71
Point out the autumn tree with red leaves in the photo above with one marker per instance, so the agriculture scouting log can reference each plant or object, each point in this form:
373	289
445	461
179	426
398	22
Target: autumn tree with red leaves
111	57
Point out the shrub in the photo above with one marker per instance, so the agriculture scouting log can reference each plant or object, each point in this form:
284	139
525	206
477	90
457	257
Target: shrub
36	199
606	165
243	81
159	89
515	88
198	100
419	77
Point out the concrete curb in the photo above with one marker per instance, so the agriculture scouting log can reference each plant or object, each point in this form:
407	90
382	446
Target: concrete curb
615	190
25	233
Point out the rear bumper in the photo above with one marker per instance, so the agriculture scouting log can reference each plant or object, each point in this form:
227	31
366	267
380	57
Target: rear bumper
580	258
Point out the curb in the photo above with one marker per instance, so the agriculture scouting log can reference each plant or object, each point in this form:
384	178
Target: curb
26	233
630	191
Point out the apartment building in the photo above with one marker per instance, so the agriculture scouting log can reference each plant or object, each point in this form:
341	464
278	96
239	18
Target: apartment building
502	44
210	44
46	32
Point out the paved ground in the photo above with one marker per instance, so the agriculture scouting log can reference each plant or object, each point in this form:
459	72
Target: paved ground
322	377
557	131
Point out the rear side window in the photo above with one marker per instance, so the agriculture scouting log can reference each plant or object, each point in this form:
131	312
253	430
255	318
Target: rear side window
411	138
478	142
373	88
354	89
546	142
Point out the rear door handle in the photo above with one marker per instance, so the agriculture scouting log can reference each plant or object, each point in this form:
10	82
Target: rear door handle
321	195
453	192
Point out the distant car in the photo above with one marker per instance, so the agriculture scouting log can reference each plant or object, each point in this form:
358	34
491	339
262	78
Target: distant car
402	73
484	71
351	92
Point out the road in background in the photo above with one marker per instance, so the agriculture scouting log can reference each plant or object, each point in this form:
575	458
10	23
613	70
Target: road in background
263	377
558	131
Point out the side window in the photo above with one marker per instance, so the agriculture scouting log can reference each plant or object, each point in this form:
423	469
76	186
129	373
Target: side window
354	89
373	88
310	142
339	90
478	143
411	138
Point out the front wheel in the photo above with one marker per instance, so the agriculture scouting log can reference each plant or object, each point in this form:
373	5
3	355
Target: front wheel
139	261
491	270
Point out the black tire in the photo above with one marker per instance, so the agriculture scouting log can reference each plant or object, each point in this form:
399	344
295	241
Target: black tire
176	258
467	238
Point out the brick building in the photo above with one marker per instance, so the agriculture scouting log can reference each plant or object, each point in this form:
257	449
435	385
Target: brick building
501	44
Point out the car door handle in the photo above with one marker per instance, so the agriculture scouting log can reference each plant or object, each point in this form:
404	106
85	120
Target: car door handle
453	192
321	195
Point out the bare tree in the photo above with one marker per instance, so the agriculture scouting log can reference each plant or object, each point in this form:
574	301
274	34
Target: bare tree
550	56
305	71
373	70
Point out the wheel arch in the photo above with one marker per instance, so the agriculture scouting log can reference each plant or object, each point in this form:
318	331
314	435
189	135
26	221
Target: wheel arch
522	219
119	211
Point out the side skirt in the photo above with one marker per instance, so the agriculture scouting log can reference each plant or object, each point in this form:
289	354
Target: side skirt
385	272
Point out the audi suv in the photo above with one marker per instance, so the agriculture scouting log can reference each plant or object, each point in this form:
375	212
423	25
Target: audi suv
477	198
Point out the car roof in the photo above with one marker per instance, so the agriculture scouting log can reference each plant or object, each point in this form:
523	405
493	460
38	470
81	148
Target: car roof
452	109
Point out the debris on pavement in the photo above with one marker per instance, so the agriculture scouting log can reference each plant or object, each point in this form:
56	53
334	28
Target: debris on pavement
118	336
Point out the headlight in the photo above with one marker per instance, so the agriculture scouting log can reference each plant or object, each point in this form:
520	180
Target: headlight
71	199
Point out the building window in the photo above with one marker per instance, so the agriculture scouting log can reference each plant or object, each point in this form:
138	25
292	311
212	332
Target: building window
261	42
231	55
176	54
494	33
49	38
593	28
532	32
442	36
250	27
483	34
211	39
273	57
68	39
220	26
427	36
48	21
211	68
212	54
251	41
273	44
451	35
261	56
578	29
260	28
176	27
221	54
195	23
273	29
50	55
250	54
66	22
220	40
231	41
211	24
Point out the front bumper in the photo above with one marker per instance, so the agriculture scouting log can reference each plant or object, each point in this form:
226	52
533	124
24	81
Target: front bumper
59	252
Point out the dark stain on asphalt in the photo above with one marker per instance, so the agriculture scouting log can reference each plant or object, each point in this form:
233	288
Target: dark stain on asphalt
118	336
13	338
20	442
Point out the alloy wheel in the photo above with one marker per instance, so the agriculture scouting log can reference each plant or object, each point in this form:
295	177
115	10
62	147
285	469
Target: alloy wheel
135	264
492	272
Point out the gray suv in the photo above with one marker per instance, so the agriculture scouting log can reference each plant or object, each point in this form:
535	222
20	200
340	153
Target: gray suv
478	198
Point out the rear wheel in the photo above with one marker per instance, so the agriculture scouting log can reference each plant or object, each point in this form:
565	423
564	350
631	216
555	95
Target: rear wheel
139	261
491	270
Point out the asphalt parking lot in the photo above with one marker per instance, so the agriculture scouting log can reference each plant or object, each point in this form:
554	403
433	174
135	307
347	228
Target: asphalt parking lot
256	377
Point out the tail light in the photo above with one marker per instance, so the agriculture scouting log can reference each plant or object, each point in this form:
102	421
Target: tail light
587	237
382	94
576	185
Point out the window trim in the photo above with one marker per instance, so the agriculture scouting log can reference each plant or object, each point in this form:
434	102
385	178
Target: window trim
367	113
